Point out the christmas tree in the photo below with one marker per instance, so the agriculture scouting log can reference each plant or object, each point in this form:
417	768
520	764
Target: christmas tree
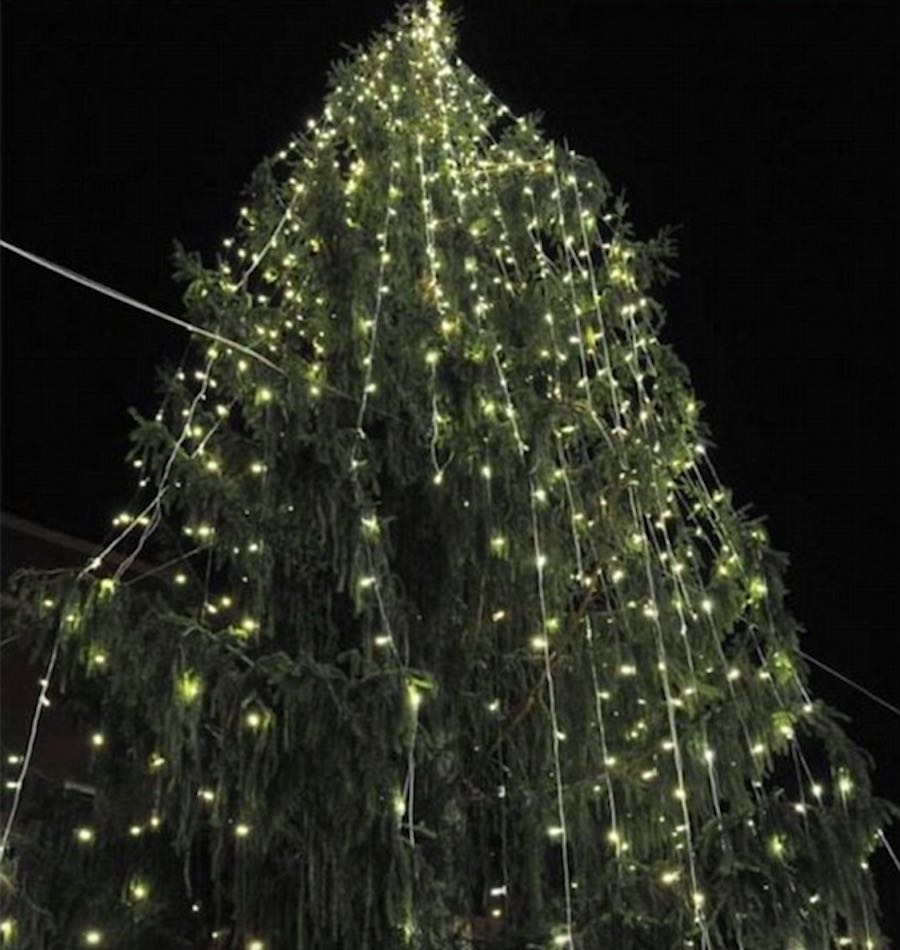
451	636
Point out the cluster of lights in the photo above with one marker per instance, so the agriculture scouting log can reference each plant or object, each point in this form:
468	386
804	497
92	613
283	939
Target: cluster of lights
471	176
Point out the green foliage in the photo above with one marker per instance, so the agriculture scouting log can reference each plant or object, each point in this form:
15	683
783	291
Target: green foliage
450	610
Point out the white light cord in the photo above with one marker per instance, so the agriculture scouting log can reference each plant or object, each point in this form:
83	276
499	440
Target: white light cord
131	302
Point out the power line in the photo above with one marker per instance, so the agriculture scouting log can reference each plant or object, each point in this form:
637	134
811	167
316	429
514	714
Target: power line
131	302
850	682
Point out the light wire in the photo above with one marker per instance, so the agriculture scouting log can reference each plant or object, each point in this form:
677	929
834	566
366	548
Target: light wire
846	679
131	302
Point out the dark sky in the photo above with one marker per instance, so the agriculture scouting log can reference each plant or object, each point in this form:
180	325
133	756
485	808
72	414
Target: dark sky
766	130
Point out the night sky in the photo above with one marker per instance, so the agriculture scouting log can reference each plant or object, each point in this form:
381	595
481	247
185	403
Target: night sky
766	131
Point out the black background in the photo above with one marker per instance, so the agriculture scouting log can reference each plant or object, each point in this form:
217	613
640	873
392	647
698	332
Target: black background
767	131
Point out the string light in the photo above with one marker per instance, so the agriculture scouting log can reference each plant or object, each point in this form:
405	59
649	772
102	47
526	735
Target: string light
653	578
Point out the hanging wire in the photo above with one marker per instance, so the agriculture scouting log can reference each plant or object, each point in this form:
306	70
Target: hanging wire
131	302
887	847
846	679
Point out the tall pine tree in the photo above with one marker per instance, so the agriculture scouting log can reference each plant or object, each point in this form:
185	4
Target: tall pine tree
454	639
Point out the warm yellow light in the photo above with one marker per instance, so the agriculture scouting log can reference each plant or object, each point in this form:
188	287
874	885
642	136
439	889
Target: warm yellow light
370	524
139	891
84	834
498	544
190	686
414	697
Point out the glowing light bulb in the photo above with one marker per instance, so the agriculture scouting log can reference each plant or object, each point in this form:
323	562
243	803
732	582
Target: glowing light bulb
498	544
140	891
414	697
190	686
